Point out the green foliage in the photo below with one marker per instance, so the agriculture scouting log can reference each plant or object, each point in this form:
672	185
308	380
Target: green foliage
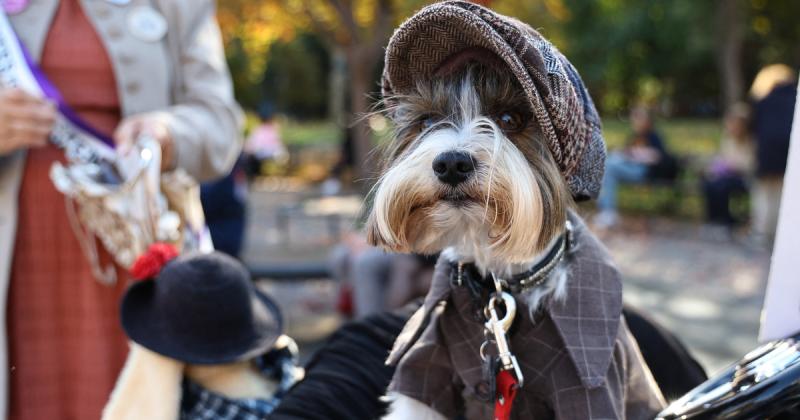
317	133
647	51
658	52
772	34
296	78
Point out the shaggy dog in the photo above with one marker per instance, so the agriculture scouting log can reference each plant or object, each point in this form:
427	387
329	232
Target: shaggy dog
484	165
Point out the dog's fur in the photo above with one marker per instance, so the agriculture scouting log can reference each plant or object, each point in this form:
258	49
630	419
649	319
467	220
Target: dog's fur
505	216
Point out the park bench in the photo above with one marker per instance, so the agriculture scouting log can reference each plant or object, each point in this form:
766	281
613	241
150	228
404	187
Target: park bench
663	195
338	213
680	196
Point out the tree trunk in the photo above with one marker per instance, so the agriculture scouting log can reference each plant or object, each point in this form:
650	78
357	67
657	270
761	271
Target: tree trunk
361	63
729	50
337	97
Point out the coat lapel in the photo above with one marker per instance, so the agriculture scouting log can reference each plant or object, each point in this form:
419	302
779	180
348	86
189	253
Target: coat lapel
588	320
32	25
440	290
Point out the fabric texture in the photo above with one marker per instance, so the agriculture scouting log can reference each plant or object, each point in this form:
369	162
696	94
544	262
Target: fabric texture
339	385
578	357
674	369
559	100
198	403
65	342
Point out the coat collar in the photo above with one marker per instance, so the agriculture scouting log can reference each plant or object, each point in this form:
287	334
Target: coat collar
587	321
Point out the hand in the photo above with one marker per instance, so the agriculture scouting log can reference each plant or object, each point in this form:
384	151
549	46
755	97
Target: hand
645	155
25	120
131	128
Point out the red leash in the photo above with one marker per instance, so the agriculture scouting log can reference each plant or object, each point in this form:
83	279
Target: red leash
506	392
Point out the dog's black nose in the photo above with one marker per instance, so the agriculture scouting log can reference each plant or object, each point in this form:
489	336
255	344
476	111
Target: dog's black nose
453	167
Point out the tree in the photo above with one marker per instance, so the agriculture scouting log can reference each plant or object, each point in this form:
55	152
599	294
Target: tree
355	29
730	39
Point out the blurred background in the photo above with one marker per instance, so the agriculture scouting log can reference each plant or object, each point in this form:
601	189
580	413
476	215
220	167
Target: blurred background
691	253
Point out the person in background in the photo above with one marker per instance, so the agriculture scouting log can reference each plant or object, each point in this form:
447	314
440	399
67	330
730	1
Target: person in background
127	68
773	93
264	142
373	280
225	208
333	184
731	171
643	157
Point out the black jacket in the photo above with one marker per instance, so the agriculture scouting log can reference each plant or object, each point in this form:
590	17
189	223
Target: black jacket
772	126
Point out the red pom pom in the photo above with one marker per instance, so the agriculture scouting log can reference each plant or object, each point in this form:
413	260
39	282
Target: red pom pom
149	264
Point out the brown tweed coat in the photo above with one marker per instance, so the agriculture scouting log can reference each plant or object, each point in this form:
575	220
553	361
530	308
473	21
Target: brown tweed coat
578	358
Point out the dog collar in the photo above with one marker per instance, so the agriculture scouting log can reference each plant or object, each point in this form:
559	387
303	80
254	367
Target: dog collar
467	274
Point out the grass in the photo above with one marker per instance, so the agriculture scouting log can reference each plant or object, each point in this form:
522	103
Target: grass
684	137
311	134
300	134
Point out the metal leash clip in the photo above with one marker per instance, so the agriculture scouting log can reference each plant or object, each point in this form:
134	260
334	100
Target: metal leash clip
498	327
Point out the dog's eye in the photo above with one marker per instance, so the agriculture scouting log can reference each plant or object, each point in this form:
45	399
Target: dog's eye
427	121
510	121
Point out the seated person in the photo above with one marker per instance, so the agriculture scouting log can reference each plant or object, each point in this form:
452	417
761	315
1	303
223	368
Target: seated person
225	207
731	170
373	280
206	344
643	158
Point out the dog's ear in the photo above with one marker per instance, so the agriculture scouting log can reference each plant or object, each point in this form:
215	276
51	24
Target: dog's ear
374	236
149	387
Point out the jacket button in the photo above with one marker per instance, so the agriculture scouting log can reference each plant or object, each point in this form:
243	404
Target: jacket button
114	33
102	10
126	59
133	88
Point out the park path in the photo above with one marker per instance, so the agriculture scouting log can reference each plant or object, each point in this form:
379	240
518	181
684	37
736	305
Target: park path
708	292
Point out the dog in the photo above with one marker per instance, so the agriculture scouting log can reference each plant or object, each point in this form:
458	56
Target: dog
495	137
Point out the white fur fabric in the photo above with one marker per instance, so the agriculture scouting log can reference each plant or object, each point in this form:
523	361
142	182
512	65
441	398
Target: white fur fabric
149	387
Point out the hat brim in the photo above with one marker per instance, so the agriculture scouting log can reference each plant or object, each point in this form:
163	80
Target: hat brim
144	324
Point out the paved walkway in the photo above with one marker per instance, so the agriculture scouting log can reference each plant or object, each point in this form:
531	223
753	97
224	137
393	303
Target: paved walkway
707	292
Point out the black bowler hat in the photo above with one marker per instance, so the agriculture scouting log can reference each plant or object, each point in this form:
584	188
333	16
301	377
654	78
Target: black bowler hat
200	309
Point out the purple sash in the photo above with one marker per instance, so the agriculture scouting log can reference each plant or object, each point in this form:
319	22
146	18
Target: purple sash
51	92
80	141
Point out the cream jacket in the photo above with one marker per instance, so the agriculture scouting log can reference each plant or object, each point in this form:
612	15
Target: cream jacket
181	79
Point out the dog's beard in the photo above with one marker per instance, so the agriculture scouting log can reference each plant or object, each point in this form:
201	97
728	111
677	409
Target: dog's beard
510	207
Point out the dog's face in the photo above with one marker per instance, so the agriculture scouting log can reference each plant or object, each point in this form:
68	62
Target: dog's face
468	169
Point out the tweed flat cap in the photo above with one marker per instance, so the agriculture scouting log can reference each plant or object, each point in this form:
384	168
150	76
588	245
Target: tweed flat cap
558	98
